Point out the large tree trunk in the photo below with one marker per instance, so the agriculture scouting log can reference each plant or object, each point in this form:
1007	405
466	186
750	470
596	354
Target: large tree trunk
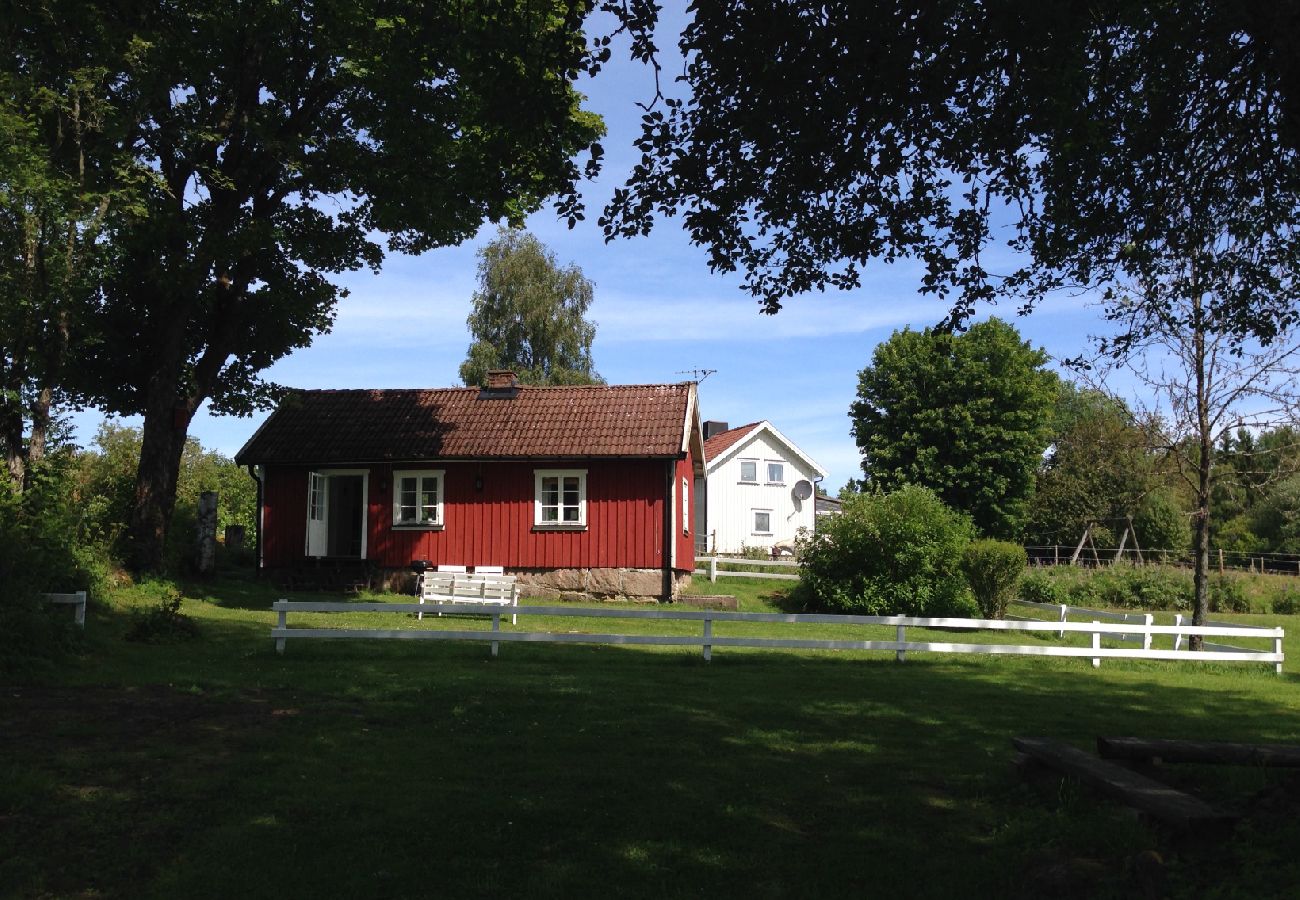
168	412
166	425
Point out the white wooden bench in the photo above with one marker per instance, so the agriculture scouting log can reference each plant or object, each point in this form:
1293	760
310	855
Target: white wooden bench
476	589
78	600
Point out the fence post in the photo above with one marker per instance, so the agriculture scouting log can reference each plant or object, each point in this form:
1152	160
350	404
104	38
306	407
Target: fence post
1065	617
713	569
283	623
708	637
1277	648
496	627
901	635
1096	645
1178	623
81	609
1146	638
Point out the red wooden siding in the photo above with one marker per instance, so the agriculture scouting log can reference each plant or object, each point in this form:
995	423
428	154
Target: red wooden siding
494	526
284	516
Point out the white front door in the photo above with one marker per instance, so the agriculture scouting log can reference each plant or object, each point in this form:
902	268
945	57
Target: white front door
317	521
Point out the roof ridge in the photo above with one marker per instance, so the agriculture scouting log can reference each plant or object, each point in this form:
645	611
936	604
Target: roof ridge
530	387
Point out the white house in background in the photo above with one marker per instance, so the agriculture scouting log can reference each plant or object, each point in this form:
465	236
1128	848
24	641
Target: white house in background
758	488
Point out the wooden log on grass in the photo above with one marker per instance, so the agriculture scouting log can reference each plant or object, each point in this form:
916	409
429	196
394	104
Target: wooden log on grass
1212	752
1159	801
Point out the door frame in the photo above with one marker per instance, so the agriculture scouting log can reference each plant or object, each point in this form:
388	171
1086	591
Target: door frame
326	475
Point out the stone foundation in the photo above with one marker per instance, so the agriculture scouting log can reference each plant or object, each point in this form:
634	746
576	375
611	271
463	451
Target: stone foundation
599	584
571	584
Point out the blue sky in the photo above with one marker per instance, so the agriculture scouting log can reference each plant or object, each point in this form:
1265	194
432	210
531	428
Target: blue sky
659	313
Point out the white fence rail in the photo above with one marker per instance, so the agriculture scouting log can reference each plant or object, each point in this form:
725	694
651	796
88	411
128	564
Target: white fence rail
1064	611
77	600
707	640
715	573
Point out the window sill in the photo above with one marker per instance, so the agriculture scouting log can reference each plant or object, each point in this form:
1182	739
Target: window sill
747	482
776	484
419	527
573	527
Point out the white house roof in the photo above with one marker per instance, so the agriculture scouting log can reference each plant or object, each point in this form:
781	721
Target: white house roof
727	444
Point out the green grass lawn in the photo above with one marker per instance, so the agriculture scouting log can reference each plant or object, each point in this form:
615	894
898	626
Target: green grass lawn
218	768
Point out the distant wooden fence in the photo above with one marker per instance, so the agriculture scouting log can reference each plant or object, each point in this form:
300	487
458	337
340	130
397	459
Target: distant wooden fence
715	573
1223	560
707	640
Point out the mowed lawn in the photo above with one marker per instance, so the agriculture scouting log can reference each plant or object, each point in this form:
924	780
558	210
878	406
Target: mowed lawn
416	769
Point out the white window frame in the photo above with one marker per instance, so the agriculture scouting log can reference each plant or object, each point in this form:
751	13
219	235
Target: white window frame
439	506
775	462
754	521
560	523
686	507
743	479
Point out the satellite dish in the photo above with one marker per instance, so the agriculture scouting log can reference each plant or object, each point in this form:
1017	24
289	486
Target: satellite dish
802	489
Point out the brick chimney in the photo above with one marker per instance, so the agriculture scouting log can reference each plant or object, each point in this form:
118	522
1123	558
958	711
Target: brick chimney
713	427
501	379
501	385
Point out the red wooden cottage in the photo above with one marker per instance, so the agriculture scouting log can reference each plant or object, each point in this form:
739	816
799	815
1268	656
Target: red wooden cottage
583	489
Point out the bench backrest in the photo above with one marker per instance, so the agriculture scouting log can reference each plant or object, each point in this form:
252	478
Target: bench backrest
455	584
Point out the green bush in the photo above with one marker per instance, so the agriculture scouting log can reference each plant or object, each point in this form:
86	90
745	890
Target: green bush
1037	586
1228	594
1286	602
1161	524
1148	587
888	554
992	569
39	553
163	623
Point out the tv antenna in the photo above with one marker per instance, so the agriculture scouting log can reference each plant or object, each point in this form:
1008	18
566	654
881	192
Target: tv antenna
698	375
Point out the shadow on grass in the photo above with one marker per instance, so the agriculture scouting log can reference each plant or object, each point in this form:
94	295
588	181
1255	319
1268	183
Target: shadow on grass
368	769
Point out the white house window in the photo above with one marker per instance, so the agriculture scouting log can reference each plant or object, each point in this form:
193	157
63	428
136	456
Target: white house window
762	521
775	472
749	470
561	498
417	499
686	507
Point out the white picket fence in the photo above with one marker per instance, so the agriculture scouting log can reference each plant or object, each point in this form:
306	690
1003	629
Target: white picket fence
707	640
715	573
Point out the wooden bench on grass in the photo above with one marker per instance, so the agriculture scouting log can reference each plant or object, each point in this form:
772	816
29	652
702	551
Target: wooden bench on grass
1159	801
471	589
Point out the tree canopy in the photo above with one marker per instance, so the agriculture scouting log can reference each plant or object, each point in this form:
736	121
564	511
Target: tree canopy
965	415
818	138
280	145
1098	468
529	315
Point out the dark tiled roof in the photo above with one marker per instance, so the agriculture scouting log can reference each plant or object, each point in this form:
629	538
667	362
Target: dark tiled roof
718	444
324	427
